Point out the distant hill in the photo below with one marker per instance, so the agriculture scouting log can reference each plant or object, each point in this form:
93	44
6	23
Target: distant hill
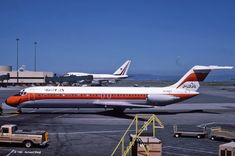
211	77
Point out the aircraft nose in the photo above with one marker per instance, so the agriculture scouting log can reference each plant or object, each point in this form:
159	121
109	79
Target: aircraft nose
12	101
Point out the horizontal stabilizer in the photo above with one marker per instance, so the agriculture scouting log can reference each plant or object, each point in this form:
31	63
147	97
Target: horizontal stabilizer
191	79
211	67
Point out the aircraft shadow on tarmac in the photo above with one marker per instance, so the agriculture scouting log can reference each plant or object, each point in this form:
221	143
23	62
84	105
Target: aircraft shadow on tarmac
129	115
125	115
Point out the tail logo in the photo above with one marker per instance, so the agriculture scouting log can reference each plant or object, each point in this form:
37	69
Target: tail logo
123	69
191	79
191	85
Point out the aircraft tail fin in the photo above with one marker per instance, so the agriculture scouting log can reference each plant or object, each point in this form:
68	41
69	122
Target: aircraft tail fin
191	79
123	69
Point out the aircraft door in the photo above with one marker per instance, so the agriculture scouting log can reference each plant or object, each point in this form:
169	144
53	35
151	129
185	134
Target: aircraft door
5	135
31	96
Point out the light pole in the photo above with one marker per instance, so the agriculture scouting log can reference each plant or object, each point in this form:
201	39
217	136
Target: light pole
17	60
35	55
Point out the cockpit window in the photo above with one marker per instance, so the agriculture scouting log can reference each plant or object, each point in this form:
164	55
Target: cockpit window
22	92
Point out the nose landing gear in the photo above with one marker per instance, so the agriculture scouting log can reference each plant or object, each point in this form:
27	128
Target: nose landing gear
19	110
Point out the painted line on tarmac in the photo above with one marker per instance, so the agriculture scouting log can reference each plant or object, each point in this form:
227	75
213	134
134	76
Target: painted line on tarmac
171	153
96	119
211	123
205	124
60	116
6	112
7	116
33	111
188	149
12	151
90	132
63	116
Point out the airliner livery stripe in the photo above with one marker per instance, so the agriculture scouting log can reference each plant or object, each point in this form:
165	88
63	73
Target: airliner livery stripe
39	96
15	100
124	70
184	96
195	77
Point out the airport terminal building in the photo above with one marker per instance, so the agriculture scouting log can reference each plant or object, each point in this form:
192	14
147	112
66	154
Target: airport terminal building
23	76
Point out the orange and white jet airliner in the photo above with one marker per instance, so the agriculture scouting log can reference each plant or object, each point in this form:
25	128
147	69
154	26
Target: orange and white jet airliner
117	98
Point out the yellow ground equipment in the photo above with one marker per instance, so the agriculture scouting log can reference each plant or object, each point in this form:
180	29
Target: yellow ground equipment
151	120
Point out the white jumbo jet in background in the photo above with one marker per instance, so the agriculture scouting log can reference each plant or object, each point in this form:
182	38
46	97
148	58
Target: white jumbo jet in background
118	98
120	73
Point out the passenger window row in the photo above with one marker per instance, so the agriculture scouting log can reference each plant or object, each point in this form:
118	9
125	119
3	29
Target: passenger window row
100	95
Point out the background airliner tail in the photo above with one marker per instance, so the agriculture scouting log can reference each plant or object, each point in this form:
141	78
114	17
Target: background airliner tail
123	69
191	79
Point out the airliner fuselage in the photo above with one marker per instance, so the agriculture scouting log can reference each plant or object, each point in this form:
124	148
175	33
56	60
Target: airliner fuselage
38	97
112	97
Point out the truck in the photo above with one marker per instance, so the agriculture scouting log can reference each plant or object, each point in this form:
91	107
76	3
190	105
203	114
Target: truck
222	133
191	133
9	133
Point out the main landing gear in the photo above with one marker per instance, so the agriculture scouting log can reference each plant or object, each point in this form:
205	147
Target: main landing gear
19	110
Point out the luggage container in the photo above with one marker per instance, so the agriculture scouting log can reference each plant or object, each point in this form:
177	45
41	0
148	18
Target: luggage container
146	145
227	149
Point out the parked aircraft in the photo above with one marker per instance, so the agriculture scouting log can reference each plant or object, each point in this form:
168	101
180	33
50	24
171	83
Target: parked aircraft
120	73
118	98
69	80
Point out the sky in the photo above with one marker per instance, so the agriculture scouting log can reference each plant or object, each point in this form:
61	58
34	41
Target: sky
159	36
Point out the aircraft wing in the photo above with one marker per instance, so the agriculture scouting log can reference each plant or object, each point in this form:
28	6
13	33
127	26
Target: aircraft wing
111	104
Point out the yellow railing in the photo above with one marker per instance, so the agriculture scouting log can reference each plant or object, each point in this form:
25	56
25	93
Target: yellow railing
156	123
